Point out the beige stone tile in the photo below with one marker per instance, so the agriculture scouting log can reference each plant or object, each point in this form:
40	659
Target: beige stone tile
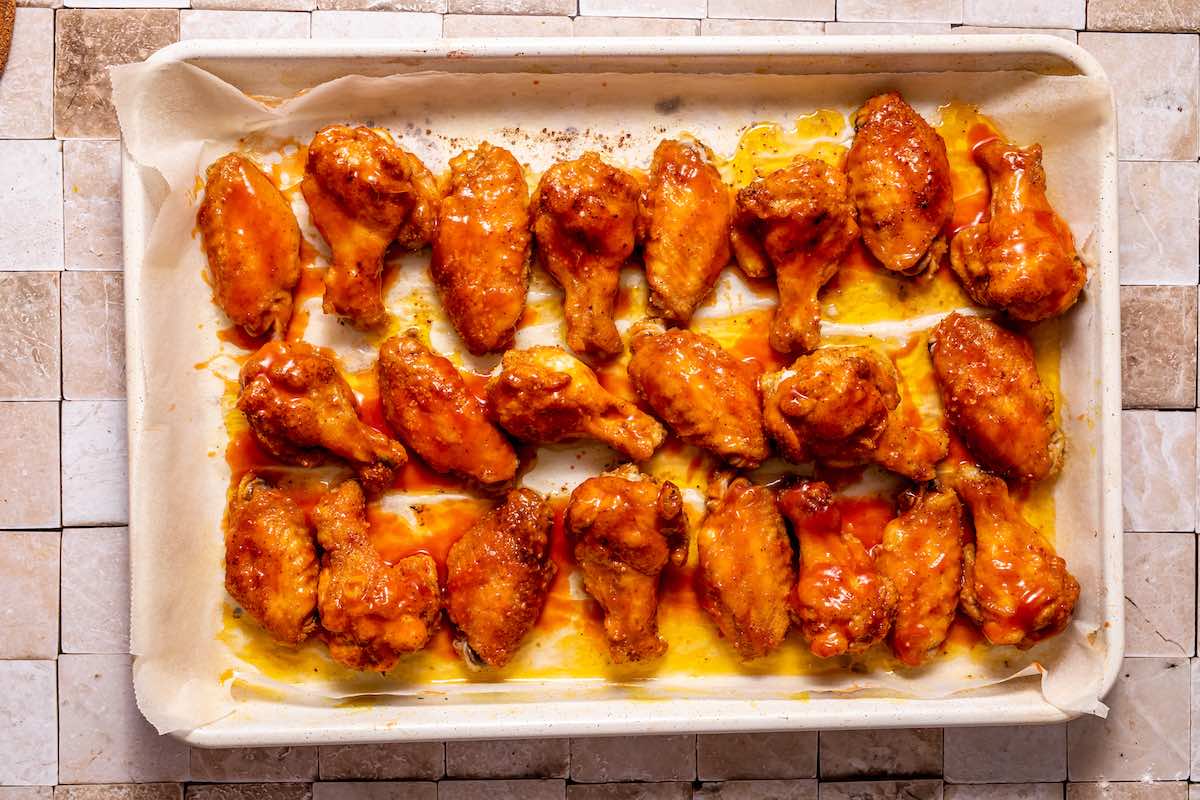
509	758
27	85
1155	78
543	7
723	756
1159	202
886	28
218	24
758	790
39	3
1144	15
905	753
29	594
604	759
635	26
819	10
1020	13
1158	346
882	790
1145	736
92	204
381	762
28	748
1158	470
1004	791
1014	754
502	790
29	171
120	791
630	791
472	25
26	792
900	10
29	336
759	27
1160	594
375	790
29	491
93	334
87	42
1195	717
248	791
431	6
254	764
694	9
373	24
1127	791
1062	33
95	474
103	738
257	5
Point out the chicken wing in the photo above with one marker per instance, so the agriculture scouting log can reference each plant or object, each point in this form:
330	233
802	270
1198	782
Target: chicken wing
428	405
922	556
1014	586
545	395
746	566
270	560
842	604
900	178
480	261
301	410
994	398
798	220
706	395
372	612
838	405
253	245
365	192
684	219
627	527
497	577
1023	259
584	218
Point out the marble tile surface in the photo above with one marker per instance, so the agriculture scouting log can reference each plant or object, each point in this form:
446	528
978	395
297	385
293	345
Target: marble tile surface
694	9
95	482
473	25
1144	15
257	5
634	26
1158	346
882	790
254	764
757	790
819	10
630	791
28	594
92	204
93	335
1158	205
1127	791
95	590
1158	455
248	791
29	748
886	28
27	168
900	10
1160	594
219	24
1062	33
29	493
759	27
375	790
26	792
502	790
30	367
383	762
372	24
1023	13
27	87
914	752
543	7
756	755
120	791
1004	791
429	6
626	758
509	758
1017	754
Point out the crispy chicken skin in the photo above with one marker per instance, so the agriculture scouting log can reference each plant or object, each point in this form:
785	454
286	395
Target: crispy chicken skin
365	192
427	403
994	398
1014	586
301	410
838	405
842	603
497	577
584	218
922	556
684	219
746	566
708	397
1023	259
372	612
626	527
546	395
480	262
900	179
799	221
270	560
253	245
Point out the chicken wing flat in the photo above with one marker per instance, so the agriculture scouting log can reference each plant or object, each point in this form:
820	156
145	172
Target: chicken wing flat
900	178
497	577
746	566
428	405
301	410
365	192
546	395
799	221
842	604
706	395
584	218
626	528
372	612
253	245
480	261
838	405
1023	259
270	560
685	216
1014	586
922	556
994	398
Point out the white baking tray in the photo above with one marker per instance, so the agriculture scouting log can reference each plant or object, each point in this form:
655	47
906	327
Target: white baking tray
281	68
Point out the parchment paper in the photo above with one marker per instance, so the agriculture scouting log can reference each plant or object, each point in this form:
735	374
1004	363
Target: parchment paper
176	119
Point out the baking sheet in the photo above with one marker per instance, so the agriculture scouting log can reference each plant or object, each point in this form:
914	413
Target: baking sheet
176	119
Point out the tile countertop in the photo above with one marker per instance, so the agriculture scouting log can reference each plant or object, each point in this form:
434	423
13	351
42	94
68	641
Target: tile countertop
67	714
